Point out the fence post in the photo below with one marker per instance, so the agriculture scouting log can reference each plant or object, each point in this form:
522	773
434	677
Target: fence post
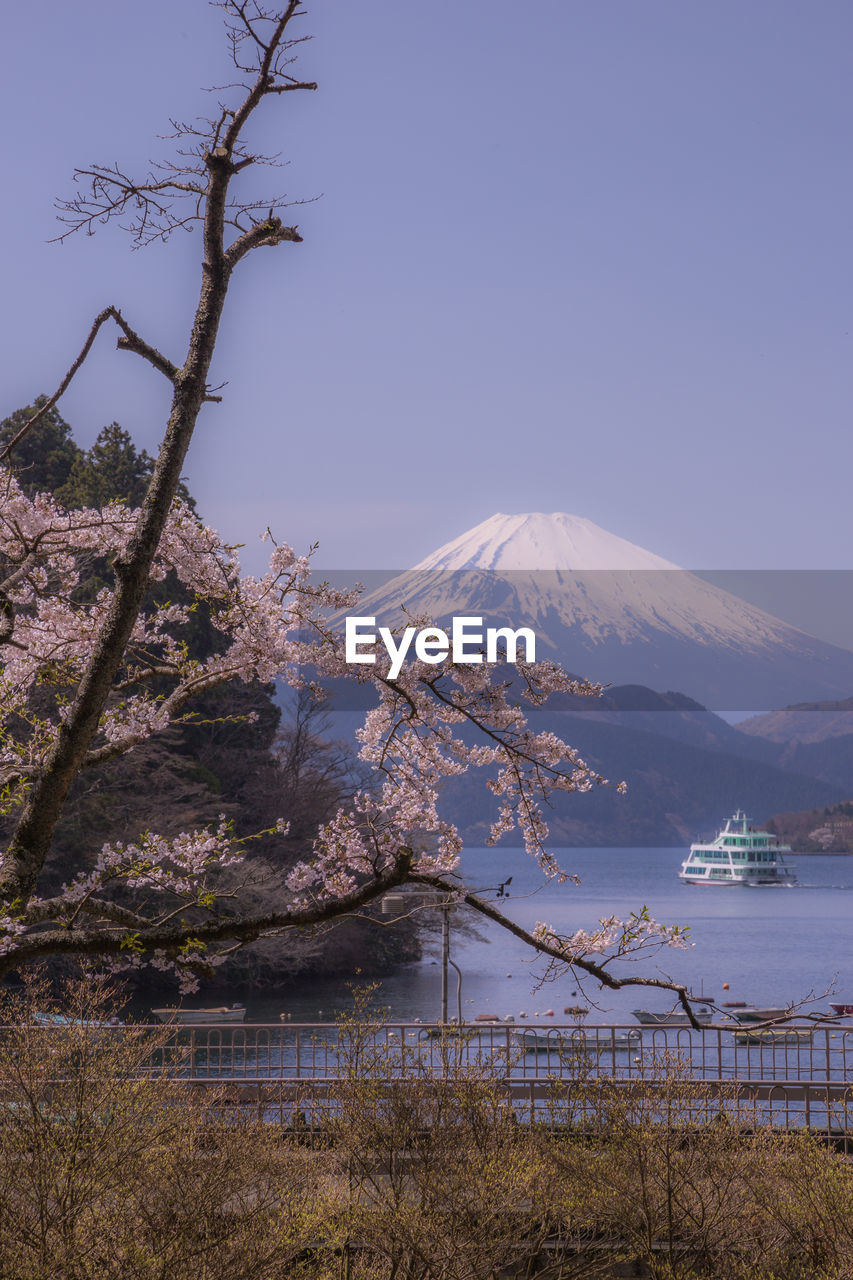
719	1054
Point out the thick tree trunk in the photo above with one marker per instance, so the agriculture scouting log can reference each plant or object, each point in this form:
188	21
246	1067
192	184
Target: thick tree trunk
30	845
31	842
22	863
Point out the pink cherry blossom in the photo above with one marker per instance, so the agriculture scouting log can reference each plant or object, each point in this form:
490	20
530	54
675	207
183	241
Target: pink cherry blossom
278	626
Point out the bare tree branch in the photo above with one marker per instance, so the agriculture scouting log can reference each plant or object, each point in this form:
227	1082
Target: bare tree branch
597	971
63	386
130	341
153	205
157	936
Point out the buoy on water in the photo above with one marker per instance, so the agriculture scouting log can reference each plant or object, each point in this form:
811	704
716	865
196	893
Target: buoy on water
725	986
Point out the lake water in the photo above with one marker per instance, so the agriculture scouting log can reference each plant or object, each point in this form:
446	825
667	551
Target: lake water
771	945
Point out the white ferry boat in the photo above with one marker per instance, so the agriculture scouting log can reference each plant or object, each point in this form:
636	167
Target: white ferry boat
738	855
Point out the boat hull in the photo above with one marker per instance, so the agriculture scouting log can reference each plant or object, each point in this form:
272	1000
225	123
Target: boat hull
751	1014
773	1035
647	1019
739	855
740	882
63	1020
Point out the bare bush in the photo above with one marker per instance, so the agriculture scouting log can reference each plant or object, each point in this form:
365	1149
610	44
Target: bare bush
683	1179
111	1166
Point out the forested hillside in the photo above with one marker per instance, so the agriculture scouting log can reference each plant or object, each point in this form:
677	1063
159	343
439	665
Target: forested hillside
826	830
235	754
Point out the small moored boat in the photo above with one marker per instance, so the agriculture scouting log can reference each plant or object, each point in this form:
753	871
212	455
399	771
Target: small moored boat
201	1017
62	1020
773	1035
585	1041
758	1013
675	1018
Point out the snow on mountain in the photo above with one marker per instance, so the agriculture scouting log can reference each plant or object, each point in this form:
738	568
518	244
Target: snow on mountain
563	569
538	541
609	609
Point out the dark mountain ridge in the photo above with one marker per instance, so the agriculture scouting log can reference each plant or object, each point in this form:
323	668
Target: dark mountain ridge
677	788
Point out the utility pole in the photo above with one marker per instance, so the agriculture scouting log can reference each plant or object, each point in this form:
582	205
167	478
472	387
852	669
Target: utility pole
395	904
445	907
446	963
445	957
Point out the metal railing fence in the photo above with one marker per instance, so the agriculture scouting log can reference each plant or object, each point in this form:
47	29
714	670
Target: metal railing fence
799	1075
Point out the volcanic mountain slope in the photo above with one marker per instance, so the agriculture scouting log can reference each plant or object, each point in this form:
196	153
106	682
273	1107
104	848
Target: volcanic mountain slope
612	611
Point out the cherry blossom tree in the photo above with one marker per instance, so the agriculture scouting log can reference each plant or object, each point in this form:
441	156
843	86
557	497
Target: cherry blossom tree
84	680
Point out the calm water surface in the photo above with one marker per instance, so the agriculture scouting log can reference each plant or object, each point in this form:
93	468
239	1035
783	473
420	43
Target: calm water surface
771	945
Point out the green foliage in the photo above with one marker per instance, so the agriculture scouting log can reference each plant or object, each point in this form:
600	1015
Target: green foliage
47	460
45	457
112	469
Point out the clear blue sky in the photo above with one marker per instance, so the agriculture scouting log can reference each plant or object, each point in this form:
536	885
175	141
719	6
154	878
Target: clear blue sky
579	256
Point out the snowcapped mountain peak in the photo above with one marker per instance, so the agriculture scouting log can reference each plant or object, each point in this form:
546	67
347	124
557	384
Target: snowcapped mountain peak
593	604
536	541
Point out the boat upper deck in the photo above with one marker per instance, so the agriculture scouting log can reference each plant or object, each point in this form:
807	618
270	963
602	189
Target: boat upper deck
738	854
